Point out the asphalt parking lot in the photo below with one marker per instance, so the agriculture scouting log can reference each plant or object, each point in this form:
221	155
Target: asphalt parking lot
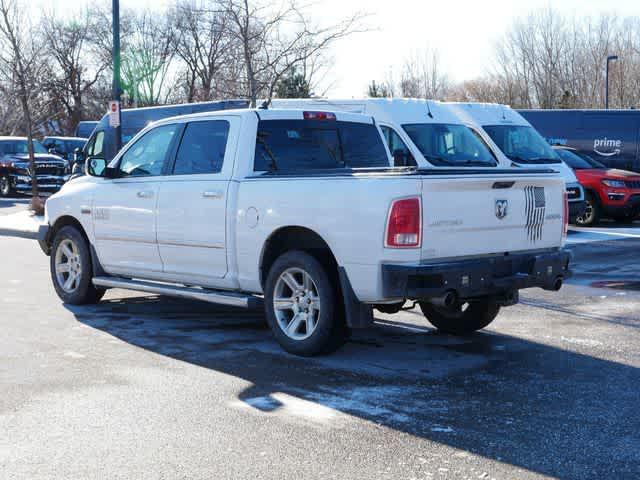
150	387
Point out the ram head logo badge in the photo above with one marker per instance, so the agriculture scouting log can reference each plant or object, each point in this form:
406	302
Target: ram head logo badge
502	208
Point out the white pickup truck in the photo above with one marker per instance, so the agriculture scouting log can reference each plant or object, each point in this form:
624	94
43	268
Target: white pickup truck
302	212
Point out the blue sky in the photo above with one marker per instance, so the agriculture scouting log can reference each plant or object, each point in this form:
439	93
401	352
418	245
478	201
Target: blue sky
463	31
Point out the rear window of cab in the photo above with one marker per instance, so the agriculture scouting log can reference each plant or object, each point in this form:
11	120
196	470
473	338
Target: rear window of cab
307	145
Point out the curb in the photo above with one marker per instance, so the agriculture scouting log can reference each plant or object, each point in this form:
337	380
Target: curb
7	232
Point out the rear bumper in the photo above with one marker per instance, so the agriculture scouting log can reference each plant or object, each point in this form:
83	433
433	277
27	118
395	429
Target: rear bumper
495	275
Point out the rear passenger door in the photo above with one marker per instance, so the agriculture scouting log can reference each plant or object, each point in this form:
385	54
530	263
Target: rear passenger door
192	202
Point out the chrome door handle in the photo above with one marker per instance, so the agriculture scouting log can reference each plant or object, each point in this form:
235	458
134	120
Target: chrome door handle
145	194
214	195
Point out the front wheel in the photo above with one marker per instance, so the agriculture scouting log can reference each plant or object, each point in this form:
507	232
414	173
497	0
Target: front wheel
302	306
463	318
5	186
71	268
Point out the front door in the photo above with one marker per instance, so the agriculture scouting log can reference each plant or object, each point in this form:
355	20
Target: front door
192	202
124	208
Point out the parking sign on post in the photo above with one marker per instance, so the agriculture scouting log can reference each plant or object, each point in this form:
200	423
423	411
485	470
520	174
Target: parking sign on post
114	114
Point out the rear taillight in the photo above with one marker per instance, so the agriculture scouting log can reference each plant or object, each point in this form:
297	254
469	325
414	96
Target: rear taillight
565	216
404	225
319	115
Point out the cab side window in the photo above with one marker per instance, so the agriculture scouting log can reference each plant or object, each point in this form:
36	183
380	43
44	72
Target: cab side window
202	148
401	154
146	157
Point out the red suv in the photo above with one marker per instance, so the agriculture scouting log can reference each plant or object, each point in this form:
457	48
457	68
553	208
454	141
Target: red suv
609	193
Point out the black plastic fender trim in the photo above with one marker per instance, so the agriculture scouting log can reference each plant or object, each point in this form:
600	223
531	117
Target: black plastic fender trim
358	314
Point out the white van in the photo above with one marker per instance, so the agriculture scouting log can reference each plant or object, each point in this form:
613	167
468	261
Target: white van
520	143
421	133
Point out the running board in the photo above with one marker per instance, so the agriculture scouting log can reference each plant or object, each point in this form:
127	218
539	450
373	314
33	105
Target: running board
219	297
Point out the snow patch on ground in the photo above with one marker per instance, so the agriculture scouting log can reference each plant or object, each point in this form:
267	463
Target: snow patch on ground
585	342
75	355
290	406
21	224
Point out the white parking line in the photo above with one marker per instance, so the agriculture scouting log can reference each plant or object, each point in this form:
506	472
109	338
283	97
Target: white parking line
586	235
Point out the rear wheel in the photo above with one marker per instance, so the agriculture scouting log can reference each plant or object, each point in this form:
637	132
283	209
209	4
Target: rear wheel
302	306
463	318
71	268
5	186
591	214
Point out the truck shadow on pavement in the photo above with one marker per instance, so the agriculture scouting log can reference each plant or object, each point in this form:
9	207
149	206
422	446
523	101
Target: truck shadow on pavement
534	406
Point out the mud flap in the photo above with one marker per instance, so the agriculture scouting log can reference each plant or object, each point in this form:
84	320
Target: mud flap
357	314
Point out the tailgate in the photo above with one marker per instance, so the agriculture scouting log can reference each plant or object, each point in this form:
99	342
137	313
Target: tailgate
479	214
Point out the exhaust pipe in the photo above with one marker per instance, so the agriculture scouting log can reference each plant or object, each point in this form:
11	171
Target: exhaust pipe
448	300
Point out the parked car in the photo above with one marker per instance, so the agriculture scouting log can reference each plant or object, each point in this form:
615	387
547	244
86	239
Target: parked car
522	145
102	142
85	128
302	211
611	193
63	146
610	137
51	170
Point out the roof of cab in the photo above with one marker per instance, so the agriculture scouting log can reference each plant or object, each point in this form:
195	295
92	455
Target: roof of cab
487	113
269	114
392	110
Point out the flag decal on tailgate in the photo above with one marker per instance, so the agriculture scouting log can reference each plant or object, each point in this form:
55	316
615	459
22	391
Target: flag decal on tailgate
535	206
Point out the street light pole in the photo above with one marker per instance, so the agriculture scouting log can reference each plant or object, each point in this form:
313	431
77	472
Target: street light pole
606	81
116	68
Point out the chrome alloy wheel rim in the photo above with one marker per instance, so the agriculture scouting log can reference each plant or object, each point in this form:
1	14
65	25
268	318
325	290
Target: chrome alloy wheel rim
587	216
68	266
5	186
296	304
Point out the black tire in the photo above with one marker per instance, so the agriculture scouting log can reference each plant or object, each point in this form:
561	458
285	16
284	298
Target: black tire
330	331
592	213
83	291
5	186
461	321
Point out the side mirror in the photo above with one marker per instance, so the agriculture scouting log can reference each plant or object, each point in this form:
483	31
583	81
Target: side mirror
96	167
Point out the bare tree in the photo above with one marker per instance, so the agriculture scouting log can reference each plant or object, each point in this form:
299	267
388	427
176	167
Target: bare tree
204	46
274	39
75	64
423	76
380	90
21	65
147	59
554	61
